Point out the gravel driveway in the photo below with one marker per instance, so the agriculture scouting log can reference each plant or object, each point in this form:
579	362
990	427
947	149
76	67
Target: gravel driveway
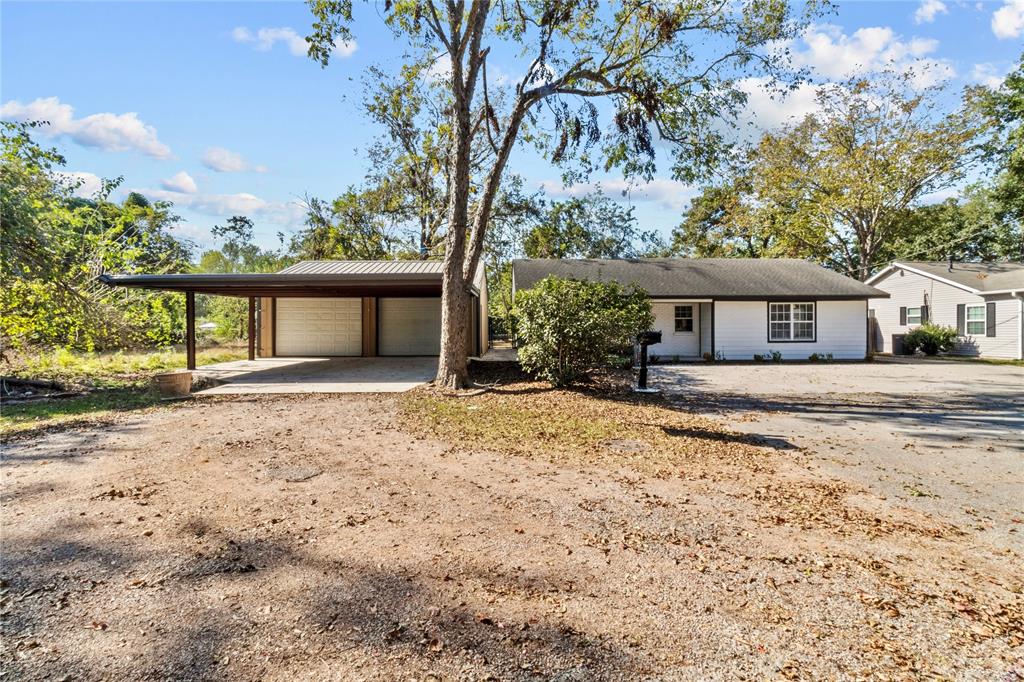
943	437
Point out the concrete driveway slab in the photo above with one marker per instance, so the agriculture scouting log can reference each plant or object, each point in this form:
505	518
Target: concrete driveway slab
318	375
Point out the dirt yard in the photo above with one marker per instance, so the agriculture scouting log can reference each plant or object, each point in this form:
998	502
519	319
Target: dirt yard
516	534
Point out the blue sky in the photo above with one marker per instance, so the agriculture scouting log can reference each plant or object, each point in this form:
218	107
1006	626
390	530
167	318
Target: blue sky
213	106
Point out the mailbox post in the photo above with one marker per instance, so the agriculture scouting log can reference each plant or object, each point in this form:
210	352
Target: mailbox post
645	339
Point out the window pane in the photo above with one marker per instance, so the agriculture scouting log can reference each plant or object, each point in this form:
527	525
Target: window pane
976	312
976	328
803	311
803	330
779	312
684	311
779	331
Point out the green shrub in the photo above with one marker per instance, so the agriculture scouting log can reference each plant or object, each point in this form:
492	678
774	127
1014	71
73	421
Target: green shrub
930	339
565	328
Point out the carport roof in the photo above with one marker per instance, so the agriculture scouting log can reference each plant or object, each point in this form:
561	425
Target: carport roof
306	278
716	278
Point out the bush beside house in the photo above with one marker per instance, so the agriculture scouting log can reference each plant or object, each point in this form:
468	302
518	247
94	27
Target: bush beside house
930	339
567	328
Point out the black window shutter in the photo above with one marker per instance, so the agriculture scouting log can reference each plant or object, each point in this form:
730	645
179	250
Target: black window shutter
924	314
903	315
990	319
961	319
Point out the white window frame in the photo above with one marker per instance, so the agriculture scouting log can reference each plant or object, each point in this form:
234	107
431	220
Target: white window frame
791	323
968	321
912	318
676	318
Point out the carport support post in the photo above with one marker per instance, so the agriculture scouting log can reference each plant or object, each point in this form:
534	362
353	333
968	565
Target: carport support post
190	329
252	327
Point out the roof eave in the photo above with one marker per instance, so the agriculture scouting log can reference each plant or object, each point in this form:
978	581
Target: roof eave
267	284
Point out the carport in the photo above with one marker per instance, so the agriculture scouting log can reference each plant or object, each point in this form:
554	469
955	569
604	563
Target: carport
331	308
317	375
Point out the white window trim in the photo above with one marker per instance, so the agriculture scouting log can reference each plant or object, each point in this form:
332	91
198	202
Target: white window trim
968	320
792	322
692	318
909	321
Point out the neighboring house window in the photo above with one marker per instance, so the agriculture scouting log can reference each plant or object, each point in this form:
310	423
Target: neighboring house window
791	322
913	316
684	318
975	320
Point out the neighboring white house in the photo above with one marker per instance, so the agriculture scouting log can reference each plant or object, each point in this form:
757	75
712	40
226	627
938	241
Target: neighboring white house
983	301
733	308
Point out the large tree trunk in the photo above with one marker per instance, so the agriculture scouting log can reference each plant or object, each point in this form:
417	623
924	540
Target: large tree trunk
452	371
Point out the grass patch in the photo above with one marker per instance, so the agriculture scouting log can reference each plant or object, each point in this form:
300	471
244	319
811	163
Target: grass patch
119	370
22	418
984	361
602	425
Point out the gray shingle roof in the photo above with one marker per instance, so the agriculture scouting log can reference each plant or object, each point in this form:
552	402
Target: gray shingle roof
720	278
365	267
978	276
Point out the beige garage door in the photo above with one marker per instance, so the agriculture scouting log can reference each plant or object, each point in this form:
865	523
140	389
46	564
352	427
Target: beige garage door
319	326
409	326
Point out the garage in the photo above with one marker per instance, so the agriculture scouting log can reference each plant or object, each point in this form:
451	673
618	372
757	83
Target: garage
319	326
409	326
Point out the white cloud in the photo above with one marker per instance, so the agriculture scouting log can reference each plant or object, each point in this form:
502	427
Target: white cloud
180	182
1008	20
831	53
88	184
768	108
988	74
223	205
440	69
107	131
226	161
264	40
669	194
928	10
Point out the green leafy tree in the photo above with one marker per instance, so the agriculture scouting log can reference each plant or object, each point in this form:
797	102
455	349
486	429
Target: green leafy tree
667	72
55	245
968	228
594	226
843	177
566	328
355	226
238	253
724	221
1005	108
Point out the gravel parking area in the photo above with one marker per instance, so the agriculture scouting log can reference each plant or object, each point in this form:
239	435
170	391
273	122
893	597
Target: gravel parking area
945	437
519	533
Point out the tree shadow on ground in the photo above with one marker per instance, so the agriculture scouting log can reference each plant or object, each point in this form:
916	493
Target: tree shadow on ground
939	420
199	615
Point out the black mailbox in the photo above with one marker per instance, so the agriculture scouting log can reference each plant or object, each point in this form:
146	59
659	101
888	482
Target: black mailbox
647	338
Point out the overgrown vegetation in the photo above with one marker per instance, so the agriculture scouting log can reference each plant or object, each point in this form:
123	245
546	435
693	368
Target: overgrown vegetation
845	185
55	244
930	339
566	328
118	370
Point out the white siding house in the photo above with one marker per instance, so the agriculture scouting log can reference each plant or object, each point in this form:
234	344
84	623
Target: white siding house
733	308
741	331
983	301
